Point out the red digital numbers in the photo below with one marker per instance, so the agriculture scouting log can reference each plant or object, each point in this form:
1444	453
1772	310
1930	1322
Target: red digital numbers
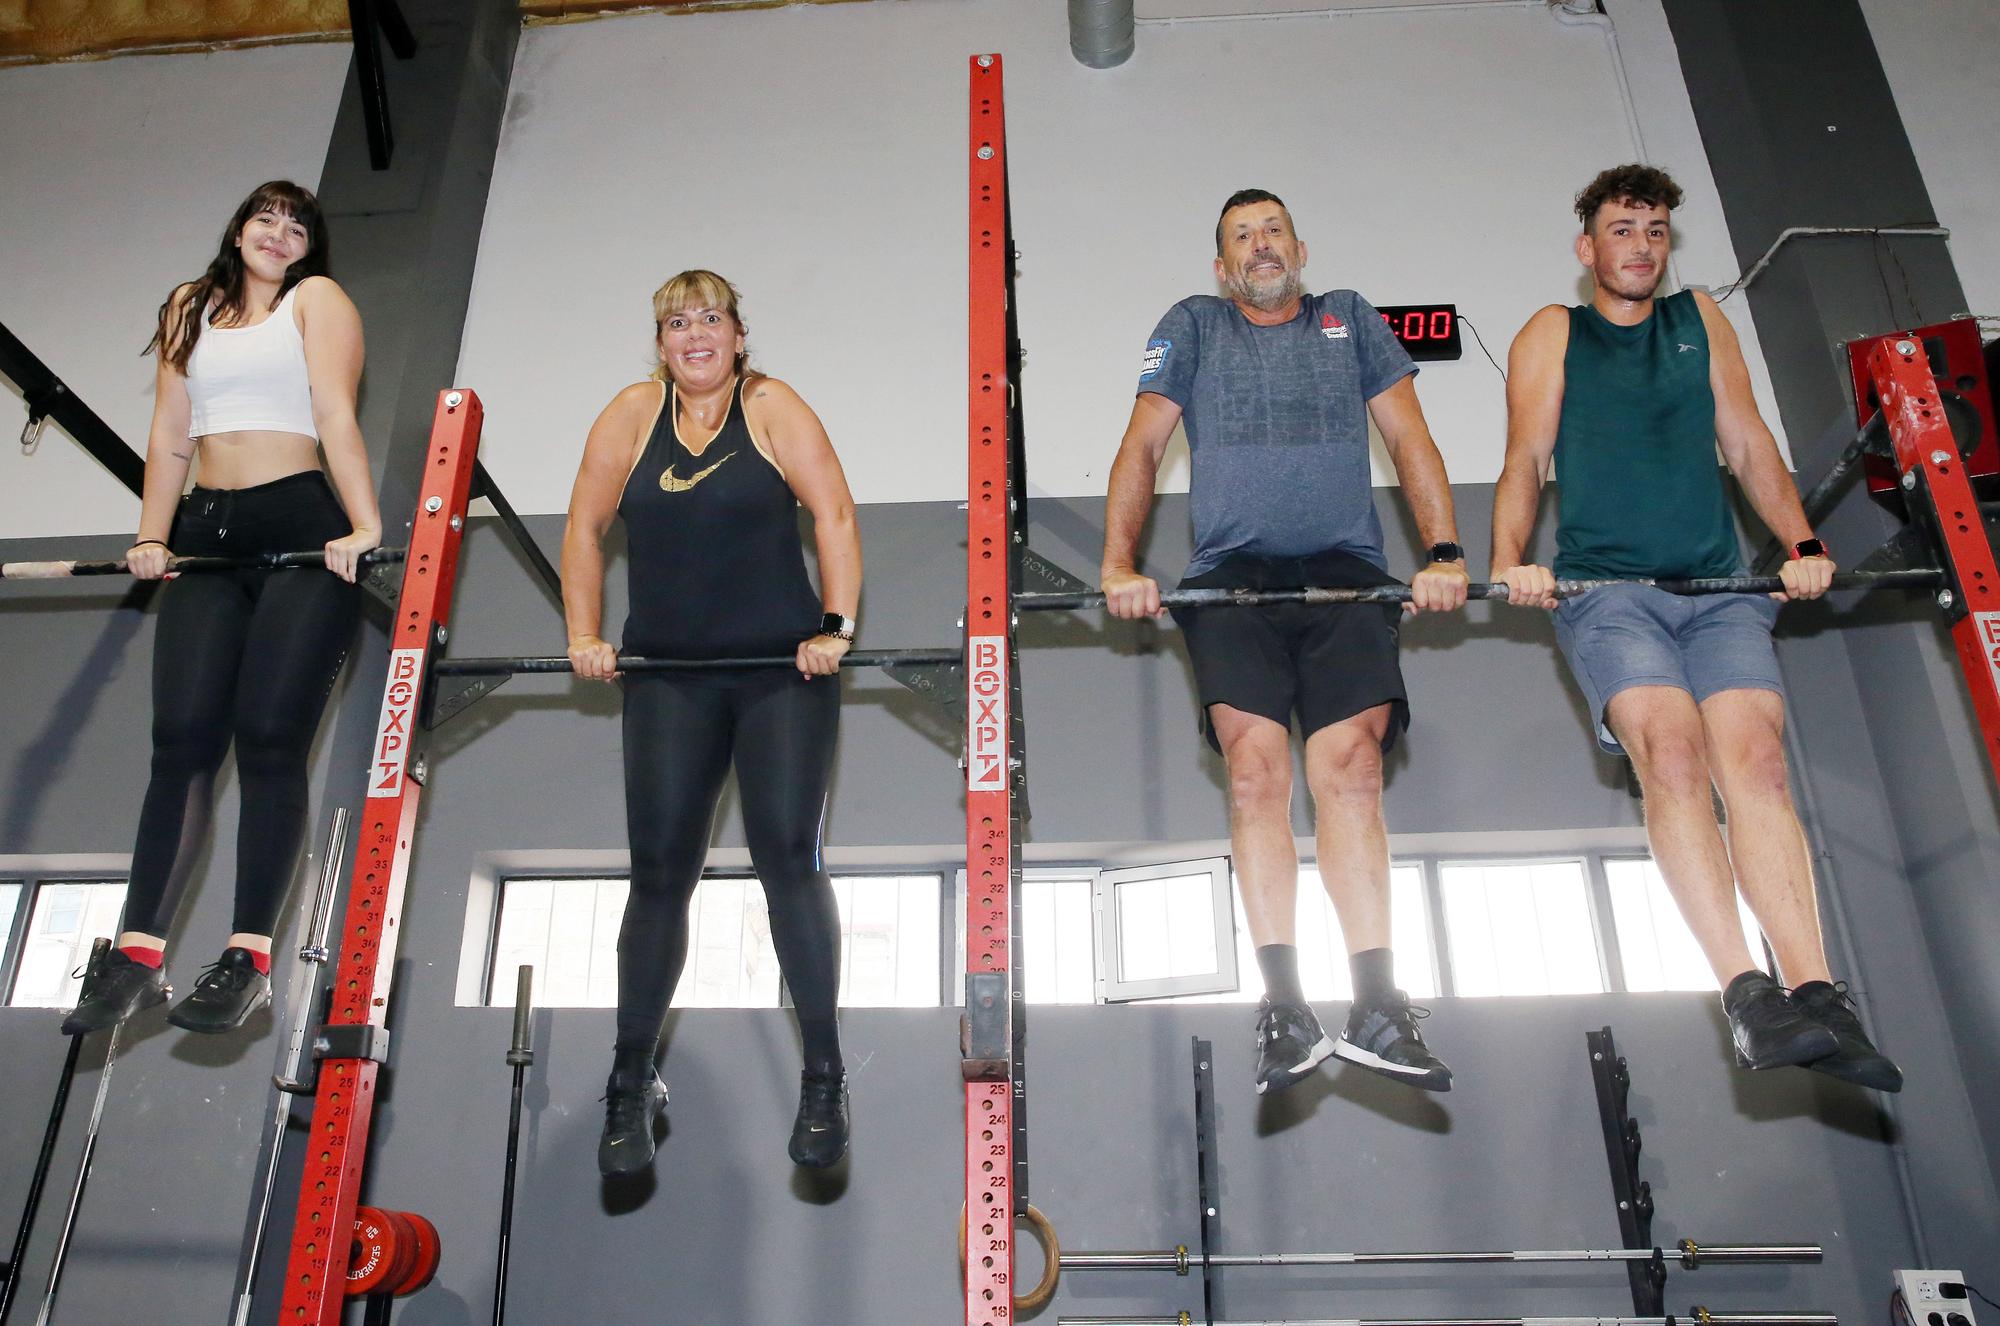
1427	331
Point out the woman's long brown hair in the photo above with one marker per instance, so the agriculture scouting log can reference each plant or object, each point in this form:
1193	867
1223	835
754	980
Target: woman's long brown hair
182	315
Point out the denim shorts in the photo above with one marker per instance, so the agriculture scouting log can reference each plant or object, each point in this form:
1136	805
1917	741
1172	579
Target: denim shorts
1621	636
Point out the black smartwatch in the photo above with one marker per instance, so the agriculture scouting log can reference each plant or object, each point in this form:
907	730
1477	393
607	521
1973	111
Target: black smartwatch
837	626
1446	552
1808	548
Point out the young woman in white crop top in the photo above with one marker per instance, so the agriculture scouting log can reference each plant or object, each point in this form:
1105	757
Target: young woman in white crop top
259	360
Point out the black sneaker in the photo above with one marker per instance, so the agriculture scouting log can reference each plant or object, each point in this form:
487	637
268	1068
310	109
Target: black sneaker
631	1104
1770	1030
1290	1044
114	988
1384	1038
228	990
819	1134
1857	1060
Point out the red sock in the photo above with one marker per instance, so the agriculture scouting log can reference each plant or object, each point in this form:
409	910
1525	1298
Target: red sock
262	960
145	957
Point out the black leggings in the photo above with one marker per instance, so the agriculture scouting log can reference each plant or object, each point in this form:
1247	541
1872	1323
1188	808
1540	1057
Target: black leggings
681	736
248	657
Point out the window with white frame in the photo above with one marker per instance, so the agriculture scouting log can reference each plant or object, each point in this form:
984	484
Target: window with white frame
1656	950
567	929
1559	923
1058	938
1520	928
49	926
1323	968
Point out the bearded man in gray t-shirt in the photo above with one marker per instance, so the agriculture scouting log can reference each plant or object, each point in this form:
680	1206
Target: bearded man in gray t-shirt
1276	388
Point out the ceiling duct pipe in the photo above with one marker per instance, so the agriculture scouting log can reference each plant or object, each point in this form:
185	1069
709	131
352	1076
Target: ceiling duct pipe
1100	32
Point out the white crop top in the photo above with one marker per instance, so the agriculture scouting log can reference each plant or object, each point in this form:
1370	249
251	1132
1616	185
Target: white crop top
244	379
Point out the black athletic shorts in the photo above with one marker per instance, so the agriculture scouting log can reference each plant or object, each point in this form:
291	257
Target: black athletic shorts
1326	662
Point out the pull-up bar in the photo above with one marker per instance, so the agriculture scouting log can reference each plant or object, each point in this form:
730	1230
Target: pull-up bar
64	570
1918	578
859	658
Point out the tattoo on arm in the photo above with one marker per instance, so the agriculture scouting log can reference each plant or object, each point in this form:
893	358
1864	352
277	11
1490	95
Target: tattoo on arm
183	455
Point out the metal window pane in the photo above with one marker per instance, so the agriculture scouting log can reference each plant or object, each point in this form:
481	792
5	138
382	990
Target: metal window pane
1058	947
1323	968
1166	930
1520	928
1655	945
568	929
889	937
10	903
67	916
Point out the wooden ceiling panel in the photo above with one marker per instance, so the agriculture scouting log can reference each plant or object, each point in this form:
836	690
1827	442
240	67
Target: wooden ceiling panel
39	30
36	31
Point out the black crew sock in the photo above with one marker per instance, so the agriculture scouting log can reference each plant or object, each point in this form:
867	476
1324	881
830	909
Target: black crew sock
1280	965
822	1046
1374	971
634	1061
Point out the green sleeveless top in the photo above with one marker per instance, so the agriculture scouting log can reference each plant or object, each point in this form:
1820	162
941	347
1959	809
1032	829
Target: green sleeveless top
1641	490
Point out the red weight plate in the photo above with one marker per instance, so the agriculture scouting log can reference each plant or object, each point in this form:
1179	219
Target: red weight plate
406	1250
428	1250
375	1251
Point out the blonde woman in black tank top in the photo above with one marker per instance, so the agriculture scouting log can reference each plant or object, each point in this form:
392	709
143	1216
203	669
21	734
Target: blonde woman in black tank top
707	465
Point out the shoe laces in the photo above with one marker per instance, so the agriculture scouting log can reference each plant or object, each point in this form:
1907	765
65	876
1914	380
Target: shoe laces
1403	1015
626	1110
221	975
1276	1020
822	1090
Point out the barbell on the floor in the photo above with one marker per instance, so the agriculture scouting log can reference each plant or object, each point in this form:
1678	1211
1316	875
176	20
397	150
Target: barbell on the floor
1691	1254
1697	1316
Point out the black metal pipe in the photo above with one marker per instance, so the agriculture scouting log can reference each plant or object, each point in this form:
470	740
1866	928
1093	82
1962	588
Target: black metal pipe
538	561
45	1158
860	658
64	570
520	1054
90	1131
49	397
1920	578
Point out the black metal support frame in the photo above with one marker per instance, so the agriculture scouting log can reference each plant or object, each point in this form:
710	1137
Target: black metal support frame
16	1261
370	19
1206	1172
520	1057
49	397
1613	1077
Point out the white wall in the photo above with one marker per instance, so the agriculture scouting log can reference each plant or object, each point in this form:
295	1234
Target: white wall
1943	62
120	175
816	155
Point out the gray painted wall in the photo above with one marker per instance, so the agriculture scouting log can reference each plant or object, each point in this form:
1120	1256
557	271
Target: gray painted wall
1801	129
731	1234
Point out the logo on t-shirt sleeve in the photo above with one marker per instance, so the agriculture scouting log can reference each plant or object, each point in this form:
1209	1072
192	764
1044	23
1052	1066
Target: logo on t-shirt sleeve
1155	359
1332	328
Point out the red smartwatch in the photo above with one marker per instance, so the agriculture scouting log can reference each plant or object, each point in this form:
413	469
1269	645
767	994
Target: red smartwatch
1809	548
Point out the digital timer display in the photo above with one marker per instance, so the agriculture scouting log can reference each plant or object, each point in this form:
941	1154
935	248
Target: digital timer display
1427	331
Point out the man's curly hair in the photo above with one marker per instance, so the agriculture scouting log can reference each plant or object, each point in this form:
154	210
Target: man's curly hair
1647	186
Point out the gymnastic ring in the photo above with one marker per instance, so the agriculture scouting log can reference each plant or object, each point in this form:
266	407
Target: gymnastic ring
1045	1234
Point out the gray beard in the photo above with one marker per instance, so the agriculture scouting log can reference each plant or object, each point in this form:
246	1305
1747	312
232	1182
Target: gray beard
1269	295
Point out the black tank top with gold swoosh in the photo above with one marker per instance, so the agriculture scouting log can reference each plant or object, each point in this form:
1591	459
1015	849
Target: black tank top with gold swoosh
714	561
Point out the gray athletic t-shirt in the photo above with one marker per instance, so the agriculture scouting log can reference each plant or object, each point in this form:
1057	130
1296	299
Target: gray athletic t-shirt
1277	421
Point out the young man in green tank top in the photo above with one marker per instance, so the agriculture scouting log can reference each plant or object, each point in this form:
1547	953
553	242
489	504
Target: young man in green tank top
1630	395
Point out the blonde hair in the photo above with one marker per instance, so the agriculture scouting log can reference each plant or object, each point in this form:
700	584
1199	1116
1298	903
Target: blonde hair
699	288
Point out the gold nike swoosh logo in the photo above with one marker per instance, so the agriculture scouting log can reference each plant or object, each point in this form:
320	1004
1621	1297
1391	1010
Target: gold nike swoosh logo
673	483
